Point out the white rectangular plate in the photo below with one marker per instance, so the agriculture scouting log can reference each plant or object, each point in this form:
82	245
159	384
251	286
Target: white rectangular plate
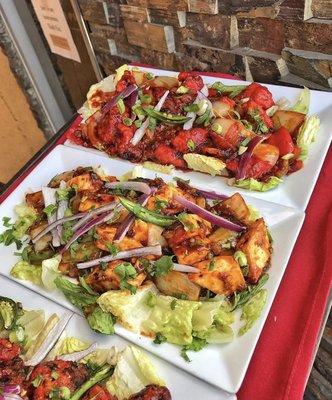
180	384
296	189
221	365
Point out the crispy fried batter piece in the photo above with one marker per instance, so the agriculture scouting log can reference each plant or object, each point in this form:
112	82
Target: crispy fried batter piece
221	275
256	245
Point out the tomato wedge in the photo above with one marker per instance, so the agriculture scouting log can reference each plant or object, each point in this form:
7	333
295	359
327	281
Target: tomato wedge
283	140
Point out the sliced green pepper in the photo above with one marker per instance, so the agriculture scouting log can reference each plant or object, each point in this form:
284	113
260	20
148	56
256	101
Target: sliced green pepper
145	214
231	90
105	372
8	313
165	117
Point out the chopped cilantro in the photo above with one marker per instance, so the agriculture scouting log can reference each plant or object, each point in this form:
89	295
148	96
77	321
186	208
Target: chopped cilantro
212	265
151	300
160	204
6	222
159	339
180	296
161	267
126	271
173	304
103	265
196	345
112	248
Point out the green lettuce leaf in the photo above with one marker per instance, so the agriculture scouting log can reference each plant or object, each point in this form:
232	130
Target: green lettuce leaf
130	310
203	317
133	372
217	334
50	272
307	134
255	185
76	294
174	323
101	321
27	272
303	102
252	310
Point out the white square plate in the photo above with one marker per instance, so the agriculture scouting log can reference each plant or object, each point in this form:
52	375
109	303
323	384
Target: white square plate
296	189
180	384
220	365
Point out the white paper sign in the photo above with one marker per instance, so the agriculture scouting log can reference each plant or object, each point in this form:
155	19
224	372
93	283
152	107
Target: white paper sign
55	27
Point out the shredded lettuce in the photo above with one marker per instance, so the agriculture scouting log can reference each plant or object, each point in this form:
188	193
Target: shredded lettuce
120	71
204	316
174	324
254	184
303	102
307	134
165	169
133	372
74	293
101	321
254	213
50	272
26	217
207	164
32	322
216	334
252	310
27	272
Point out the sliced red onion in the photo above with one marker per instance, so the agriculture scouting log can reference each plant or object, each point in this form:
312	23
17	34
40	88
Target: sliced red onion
125	93
141	130
78	355
50	340
10	397
62	207
139	252
132	98
128	185
208	216
246	156
161	101
185	268
212	195
130	218
91	213
91	224
55	224
192	115
10	389
50	199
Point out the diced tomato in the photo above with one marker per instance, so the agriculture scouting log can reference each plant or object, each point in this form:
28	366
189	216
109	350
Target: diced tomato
166	155
267	152
186	141
283	140
191	80
98	392
229	140
257	168
8	350
213	92
259	94
232	165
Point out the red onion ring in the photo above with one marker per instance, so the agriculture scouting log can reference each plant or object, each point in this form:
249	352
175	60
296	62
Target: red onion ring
139	252
208	216
246	156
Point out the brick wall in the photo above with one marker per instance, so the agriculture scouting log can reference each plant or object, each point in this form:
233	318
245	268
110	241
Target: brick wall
288	41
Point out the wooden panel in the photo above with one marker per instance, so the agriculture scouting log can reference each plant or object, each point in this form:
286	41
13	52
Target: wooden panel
203	6
153	36
138	14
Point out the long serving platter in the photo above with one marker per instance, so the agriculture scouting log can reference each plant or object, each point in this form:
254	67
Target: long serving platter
180	384
221	365
297	188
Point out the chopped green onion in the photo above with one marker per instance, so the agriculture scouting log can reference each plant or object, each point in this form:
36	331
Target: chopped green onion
127	121
191	107
138	123
191	145
149	76
182	90
121	106
216	128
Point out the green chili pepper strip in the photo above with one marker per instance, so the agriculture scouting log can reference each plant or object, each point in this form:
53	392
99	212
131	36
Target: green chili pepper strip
232	90
165	117
102	374
145	214
8	320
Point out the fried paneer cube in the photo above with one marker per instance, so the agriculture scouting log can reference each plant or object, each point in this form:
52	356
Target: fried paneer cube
221	275
95	201
105	237
103	279
177	283
235	207
85	182
255	244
